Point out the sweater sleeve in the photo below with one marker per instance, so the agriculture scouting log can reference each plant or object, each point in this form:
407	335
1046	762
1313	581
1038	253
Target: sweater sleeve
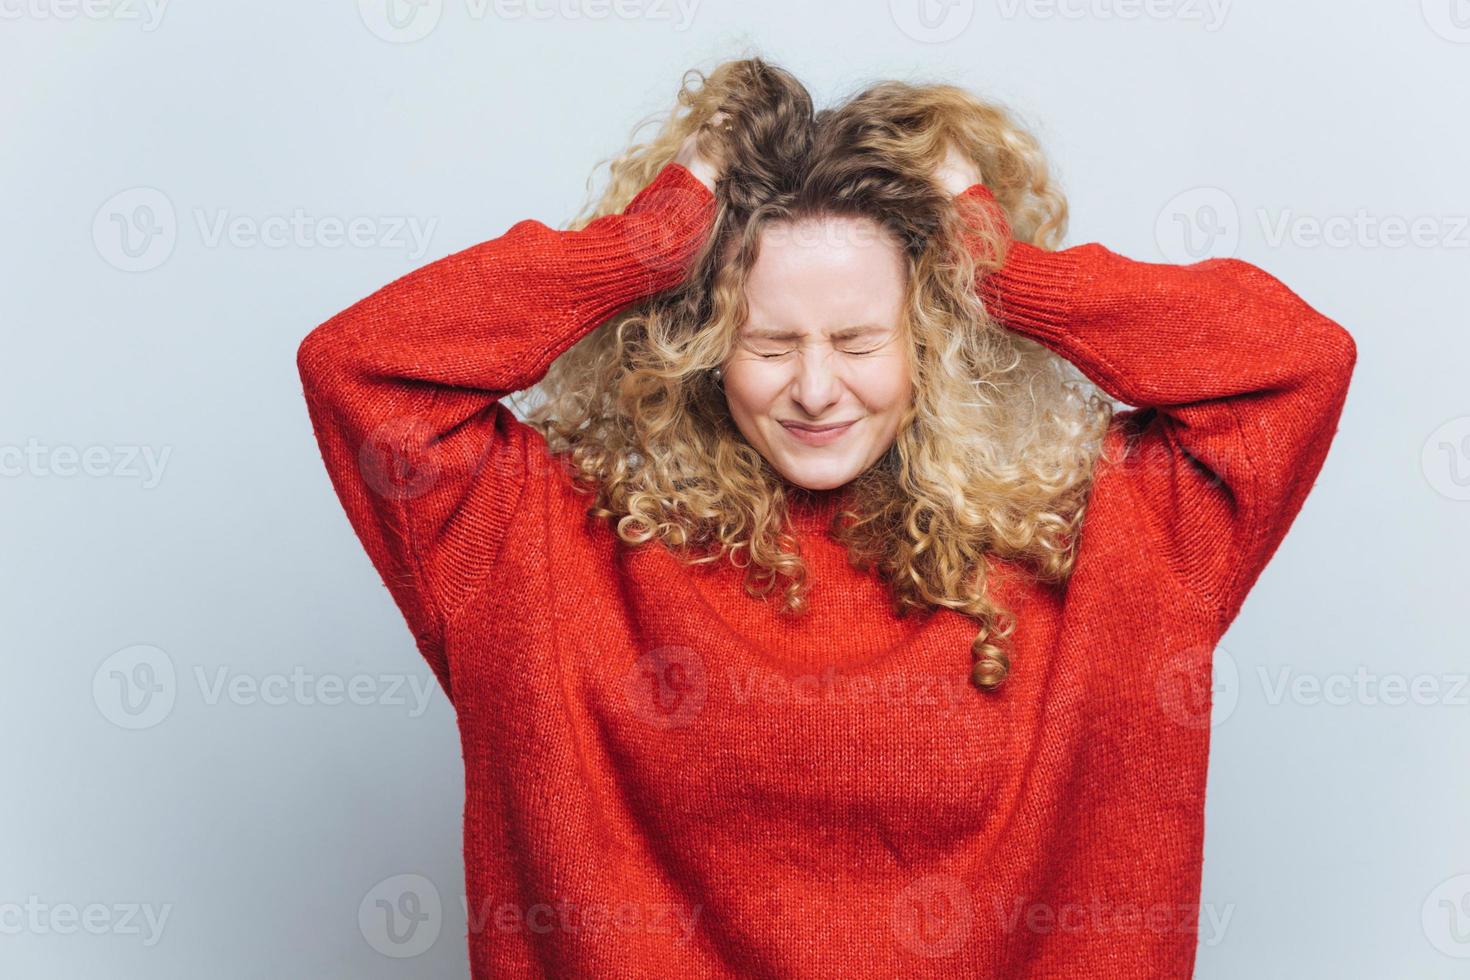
1238	386
404	387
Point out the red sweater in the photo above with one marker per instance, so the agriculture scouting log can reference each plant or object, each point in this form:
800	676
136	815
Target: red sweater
667	778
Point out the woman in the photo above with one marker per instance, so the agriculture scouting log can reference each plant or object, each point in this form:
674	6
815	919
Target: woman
777	639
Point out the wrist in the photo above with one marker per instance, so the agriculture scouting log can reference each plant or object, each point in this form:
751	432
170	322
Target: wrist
699	191
987	229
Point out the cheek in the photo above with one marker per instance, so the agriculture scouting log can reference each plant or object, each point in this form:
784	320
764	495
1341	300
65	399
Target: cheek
883	385
749	389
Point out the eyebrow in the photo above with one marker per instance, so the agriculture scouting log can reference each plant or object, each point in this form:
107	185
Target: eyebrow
846	333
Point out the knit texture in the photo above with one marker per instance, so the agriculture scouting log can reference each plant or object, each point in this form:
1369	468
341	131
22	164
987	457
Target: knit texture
668	778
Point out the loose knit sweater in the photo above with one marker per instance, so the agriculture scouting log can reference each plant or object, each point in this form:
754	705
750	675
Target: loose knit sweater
666	777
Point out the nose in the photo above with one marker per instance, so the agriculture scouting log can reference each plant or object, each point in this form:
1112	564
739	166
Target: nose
816	387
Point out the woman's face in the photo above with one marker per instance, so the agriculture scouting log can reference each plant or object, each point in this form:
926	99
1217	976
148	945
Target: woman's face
818	380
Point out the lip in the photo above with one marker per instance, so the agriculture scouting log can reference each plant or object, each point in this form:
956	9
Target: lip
818	436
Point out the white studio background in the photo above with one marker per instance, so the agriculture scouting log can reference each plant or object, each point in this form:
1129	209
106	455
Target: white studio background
220	745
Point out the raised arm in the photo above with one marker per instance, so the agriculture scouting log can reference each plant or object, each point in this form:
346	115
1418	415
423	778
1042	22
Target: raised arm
1238	384
404	387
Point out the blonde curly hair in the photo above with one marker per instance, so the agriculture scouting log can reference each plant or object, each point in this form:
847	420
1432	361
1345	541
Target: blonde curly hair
997	451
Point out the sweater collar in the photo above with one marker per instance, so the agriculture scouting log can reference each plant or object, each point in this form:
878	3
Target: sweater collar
812	511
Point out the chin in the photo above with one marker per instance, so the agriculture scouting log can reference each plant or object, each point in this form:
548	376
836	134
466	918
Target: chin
819	477
820	484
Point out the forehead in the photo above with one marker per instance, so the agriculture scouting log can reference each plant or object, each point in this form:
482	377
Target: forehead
826	272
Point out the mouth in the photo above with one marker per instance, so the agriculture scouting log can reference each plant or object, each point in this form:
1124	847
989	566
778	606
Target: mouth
818	435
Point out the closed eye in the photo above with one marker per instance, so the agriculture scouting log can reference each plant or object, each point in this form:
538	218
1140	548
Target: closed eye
855	353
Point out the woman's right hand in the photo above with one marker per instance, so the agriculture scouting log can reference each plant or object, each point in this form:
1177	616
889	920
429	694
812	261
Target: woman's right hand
957	172
697	163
